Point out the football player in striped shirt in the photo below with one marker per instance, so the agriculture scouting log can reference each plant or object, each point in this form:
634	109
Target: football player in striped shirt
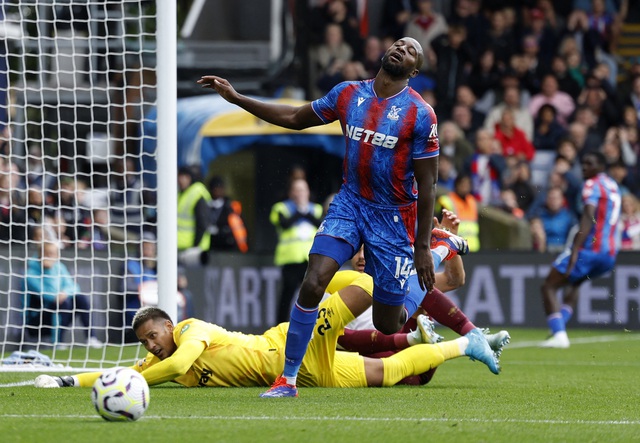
592	253
389	179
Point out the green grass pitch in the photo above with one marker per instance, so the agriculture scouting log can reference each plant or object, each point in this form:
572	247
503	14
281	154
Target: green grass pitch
587	393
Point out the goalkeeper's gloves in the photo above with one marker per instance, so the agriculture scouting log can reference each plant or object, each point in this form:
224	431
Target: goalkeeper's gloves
49	381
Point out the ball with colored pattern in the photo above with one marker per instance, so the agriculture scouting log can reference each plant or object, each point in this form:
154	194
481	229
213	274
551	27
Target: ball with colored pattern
120	394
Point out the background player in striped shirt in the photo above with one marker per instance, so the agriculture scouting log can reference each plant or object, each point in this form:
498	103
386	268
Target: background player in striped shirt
391	153
592	253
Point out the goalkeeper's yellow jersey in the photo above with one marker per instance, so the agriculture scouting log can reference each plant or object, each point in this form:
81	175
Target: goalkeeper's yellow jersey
229	358
237	359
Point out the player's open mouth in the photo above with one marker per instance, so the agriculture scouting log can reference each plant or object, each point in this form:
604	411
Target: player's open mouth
396	57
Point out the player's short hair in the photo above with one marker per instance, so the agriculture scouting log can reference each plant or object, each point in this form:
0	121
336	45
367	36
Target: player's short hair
148	313
599	156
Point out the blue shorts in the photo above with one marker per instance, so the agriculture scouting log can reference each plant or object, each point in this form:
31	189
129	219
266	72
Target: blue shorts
590	265
386	232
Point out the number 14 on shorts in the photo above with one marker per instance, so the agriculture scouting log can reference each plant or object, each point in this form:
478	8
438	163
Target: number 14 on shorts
403	268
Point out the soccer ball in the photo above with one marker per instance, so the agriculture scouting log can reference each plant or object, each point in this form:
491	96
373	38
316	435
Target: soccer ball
120	394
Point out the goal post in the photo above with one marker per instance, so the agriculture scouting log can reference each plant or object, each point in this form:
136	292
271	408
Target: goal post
78	81
167	145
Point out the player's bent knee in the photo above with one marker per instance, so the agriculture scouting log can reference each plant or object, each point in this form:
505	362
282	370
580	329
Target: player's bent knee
388	319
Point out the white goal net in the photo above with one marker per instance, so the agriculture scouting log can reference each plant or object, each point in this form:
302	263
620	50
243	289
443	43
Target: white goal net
77	84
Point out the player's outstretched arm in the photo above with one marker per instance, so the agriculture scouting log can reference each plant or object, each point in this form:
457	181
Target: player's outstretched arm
84	380
287	116
172	367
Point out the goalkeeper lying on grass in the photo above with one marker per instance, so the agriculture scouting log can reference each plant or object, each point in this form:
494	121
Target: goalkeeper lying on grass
196	353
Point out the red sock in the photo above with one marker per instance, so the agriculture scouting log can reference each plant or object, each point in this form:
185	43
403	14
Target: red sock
418	380
370	341
412	380
410	325
444	311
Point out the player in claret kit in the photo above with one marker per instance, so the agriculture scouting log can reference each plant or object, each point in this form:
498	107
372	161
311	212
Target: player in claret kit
391	146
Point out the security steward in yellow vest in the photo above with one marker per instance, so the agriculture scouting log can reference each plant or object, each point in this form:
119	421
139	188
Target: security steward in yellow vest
193	218
296	221
463	203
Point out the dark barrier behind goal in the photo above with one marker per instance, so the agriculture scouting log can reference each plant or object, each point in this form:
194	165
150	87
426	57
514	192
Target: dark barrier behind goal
239	292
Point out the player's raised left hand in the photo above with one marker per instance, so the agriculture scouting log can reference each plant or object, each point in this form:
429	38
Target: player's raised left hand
220	85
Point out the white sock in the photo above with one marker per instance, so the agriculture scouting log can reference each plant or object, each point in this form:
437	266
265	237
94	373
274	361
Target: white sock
463	343
414	337
292	380
441	251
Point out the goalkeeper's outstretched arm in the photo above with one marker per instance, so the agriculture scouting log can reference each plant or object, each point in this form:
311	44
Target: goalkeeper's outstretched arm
154	371
66	381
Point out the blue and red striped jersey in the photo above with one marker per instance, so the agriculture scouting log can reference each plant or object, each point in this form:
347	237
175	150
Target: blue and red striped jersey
383	137
602	193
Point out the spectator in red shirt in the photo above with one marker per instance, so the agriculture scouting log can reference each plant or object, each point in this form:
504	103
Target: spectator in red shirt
512	139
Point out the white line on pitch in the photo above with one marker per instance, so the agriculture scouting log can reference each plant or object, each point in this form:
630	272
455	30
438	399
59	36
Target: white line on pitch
343	418
18	383
604	364
576	341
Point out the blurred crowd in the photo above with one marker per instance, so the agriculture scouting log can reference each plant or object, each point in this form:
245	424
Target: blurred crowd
522	91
